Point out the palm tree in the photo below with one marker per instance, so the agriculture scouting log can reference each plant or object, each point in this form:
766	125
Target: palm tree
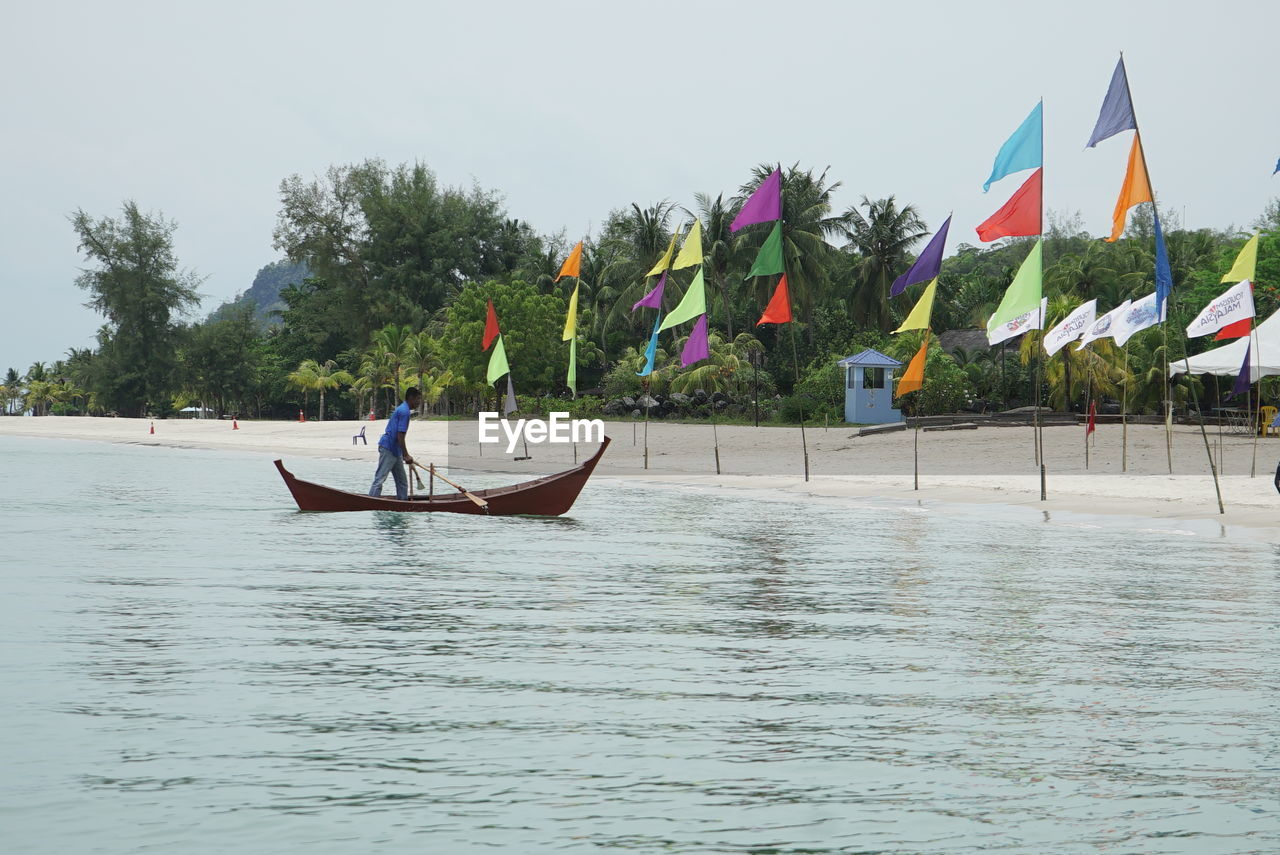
306	378
632	241
882	237
12	390
329	376
398	343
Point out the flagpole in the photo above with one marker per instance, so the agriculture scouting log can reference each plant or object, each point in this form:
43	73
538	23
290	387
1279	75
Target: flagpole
1255	405
795	354
1088	398
1204	434
1040	313
1164	310
1124	414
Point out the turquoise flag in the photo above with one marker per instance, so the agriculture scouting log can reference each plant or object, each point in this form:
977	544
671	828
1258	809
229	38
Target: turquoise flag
651	352
1023	150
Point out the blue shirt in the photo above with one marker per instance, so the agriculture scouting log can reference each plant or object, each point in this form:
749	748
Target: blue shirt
397	424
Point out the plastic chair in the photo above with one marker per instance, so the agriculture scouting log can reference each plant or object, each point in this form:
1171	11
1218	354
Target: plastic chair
1270	421
360	436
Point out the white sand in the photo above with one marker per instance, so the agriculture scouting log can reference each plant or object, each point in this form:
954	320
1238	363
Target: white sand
990	464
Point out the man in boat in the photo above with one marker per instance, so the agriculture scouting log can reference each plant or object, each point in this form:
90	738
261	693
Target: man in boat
392	453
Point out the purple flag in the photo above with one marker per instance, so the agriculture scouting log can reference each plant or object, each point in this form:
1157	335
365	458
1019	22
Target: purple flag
765	205
927	265
1242	379
697	348
653	300
1117	109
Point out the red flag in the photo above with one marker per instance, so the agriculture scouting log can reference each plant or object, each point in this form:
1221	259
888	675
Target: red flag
779	309
490	327
1020	216
1239	329
1092	424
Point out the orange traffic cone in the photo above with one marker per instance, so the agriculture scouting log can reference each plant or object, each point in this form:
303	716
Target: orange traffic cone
235	425
153	427
301	417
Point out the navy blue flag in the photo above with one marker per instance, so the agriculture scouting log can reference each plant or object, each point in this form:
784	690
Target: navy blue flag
1117	110
1164	274
1242	379
1277	169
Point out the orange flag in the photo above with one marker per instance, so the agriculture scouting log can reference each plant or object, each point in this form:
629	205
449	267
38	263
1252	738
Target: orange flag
572	265
779	309
913	378
1136	188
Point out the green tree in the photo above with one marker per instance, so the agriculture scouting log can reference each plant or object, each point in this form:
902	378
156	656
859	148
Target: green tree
881	238
137	286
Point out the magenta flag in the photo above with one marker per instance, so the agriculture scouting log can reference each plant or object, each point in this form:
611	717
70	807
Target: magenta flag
764	206
697	348
653	300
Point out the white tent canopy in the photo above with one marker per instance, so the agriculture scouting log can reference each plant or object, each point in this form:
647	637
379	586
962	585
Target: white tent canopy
1226	361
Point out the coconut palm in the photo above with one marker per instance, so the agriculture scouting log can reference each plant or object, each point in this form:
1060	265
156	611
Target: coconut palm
882	237
632	241
329	376
305	378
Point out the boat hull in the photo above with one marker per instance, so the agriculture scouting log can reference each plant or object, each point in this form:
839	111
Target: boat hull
545	497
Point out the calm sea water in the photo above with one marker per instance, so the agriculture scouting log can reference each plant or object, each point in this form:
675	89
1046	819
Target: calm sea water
191	666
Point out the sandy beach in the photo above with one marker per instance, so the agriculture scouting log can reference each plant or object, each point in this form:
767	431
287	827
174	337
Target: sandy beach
986	465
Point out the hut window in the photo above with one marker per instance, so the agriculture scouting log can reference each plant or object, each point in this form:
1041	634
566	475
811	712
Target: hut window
872	378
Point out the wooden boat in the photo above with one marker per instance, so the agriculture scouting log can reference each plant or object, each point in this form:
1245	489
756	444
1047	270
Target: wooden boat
545	497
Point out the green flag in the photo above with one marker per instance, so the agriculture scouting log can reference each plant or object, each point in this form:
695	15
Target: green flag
1024	292
498	362
573	366
769	261
693	304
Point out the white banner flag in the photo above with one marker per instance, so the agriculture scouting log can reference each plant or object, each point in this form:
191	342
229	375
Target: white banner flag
1103	327
1032	320
1141	314
1233	304
1072	328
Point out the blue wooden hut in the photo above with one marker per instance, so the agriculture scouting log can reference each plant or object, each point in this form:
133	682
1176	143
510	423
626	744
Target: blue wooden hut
868	388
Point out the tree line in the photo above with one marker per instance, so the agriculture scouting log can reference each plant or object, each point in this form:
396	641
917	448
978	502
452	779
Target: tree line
393	270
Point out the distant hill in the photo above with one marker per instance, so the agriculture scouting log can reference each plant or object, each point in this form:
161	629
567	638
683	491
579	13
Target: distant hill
264	293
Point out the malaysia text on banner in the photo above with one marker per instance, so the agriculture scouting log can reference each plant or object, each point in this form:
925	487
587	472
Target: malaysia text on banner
1071	327
1103	327
1140	315
1231	306
927	265
1026	322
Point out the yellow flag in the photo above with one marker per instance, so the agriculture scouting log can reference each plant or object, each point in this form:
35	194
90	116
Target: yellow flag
691	252
919	317
571	322
664	263
913	378
1246	263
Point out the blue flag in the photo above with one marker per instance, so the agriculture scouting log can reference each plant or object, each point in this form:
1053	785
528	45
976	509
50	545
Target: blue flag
651	352
1164	275
1116	114
1023	150
1243	381
1277	169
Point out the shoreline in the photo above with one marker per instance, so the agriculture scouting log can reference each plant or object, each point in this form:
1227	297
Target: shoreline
986	466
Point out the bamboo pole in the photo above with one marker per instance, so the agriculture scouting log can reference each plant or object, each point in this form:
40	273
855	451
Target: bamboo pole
1124	414
1255	417
1205	436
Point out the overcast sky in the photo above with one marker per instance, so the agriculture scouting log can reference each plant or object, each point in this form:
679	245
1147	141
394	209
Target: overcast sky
573	109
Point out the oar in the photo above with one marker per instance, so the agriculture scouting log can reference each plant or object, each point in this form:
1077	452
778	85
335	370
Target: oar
478	501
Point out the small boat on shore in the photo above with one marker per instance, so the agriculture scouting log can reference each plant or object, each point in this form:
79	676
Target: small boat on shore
550	496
